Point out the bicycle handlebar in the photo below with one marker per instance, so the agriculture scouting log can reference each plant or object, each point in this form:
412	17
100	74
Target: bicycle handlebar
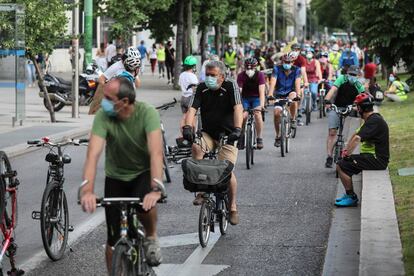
338	111
167	105
46	142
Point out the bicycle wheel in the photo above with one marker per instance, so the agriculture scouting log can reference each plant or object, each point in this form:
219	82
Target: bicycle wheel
287	136
7	210
121	261
165	160
204	223
4	181
321	106
253	142
282	136
308	109
248	145
224	216
54	221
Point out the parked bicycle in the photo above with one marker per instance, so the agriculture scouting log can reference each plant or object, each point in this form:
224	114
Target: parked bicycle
54	213
128	255
212	177
339	144
8	214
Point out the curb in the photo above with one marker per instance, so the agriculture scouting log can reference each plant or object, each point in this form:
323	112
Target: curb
21	149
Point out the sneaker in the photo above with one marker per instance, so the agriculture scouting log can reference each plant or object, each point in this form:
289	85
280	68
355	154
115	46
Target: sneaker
347	201
198	200
277	142
234	217
299	115
293	124
300	123
241	142
259	143
340	198
152	252
329	162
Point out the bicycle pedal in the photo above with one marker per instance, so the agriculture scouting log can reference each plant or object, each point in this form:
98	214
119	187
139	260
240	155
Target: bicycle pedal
36	215
71	228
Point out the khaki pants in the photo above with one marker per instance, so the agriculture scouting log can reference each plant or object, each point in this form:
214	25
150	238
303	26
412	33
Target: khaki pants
227	152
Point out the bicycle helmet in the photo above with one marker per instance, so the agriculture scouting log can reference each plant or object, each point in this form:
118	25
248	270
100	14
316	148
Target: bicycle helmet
133	52
364	100
132	63
288	58
250	63
353	70
190	61
335	47
295	46
324	54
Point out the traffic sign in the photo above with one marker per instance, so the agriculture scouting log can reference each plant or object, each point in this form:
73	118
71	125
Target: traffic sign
233	31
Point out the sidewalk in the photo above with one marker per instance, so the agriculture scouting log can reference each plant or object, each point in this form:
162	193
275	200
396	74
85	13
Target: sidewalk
37	123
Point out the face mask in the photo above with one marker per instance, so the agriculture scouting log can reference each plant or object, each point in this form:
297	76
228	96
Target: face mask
347	49
230	50
287	66
309	56
352	79
108	107
250	73
392	79
211	83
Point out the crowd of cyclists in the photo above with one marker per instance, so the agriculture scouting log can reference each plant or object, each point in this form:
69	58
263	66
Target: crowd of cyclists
221	93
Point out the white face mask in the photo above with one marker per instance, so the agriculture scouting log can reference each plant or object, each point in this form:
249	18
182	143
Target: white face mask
250	73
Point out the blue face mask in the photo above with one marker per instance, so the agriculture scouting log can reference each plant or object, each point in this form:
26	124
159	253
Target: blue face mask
108	107
287	66
391	79
352	79
211	83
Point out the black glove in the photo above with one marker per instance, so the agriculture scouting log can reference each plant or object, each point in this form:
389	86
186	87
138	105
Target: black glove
235	135
327	102
188	133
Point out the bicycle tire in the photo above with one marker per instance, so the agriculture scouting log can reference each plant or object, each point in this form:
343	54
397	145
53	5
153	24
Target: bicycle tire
321	106
287	137
165	160
121	262
54	196
204	224
308	110
248	146
282	136
4	167
254	140
224	216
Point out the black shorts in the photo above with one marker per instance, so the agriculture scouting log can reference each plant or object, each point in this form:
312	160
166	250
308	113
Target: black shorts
359	162
137	187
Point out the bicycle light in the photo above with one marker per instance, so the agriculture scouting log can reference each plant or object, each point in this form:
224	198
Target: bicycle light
46	139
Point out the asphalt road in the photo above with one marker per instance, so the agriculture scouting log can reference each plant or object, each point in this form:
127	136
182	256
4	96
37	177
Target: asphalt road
285	207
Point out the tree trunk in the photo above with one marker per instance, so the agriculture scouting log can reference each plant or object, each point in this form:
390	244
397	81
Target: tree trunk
44	89
217	39
189	25
203	43
179	43
185	35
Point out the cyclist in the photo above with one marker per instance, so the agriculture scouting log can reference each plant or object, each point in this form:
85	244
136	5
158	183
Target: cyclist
230	59
285	83
252	85
300	62
313	72
344	90
221	112
188	81
133	162
326	67
396	91
348	58
334	57
132	54
374	150
132	66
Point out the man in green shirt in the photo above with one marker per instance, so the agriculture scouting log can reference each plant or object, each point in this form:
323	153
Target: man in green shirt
133	165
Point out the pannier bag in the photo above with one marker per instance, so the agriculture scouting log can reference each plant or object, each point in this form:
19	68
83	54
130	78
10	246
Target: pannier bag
206	175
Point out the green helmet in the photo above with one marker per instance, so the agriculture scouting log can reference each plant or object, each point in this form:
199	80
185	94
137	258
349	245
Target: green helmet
190	61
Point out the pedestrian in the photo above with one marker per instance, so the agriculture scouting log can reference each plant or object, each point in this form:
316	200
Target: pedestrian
144	55
153	58
396	91
188	83
110	52
373	136
101	60
169	61
118	56
133	163
161	60
30	73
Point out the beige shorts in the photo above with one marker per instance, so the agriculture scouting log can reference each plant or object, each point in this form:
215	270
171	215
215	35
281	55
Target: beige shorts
227	152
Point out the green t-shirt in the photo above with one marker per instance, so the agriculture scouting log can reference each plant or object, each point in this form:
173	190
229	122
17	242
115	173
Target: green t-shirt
342	79
126	149
161	54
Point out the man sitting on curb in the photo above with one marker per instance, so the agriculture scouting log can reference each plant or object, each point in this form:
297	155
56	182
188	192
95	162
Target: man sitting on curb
374	138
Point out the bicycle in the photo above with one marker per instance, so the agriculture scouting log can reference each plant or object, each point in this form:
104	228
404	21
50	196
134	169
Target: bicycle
215	206
251	135
164	140
54	213
321	99
128	256
308	105
8	210
339	144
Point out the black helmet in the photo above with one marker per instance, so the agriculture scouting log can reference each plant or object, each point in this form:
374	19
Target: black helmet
353	70
295	46
250	63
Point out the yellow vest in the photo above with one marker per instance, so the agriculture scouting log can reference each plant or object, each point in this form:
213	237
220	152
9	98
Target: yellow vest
230	59
400	92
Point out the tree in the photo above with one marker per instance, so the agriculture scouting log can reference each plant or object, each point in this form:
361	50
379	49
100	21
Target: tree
179	42
387	26
331	13
45	27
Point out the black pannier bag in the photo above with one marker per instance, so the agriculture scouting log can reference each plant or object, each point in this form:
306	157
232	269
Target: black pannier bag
206	175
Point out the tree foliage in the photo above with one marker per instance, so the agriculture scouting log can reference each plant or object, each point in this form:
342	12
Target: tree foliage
331	12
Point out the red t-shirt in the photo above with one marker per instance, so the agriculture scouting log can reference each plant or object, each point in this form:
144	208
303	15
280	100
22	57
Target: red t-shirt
250	86
300	61
369	70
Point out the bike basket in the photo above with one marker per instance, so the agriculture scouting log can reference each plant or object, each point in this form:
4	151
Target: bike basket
207	175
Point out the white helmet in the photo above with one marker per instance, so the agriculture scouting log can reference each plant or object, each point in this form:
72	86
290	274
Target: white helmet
293	55
335	47
132	63
133	52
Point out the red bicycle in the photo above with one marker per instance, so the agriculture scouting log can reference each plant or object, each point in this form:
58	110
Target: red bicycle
8	214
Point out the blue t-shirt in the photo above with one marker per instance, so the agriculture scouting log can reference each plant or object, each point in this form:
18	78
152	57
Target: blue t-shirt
142	50
285	84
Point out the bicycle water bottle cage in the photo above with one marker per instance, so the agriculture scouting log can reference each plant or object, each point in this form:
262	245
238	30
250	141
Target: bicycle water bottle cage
52	158
66	159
